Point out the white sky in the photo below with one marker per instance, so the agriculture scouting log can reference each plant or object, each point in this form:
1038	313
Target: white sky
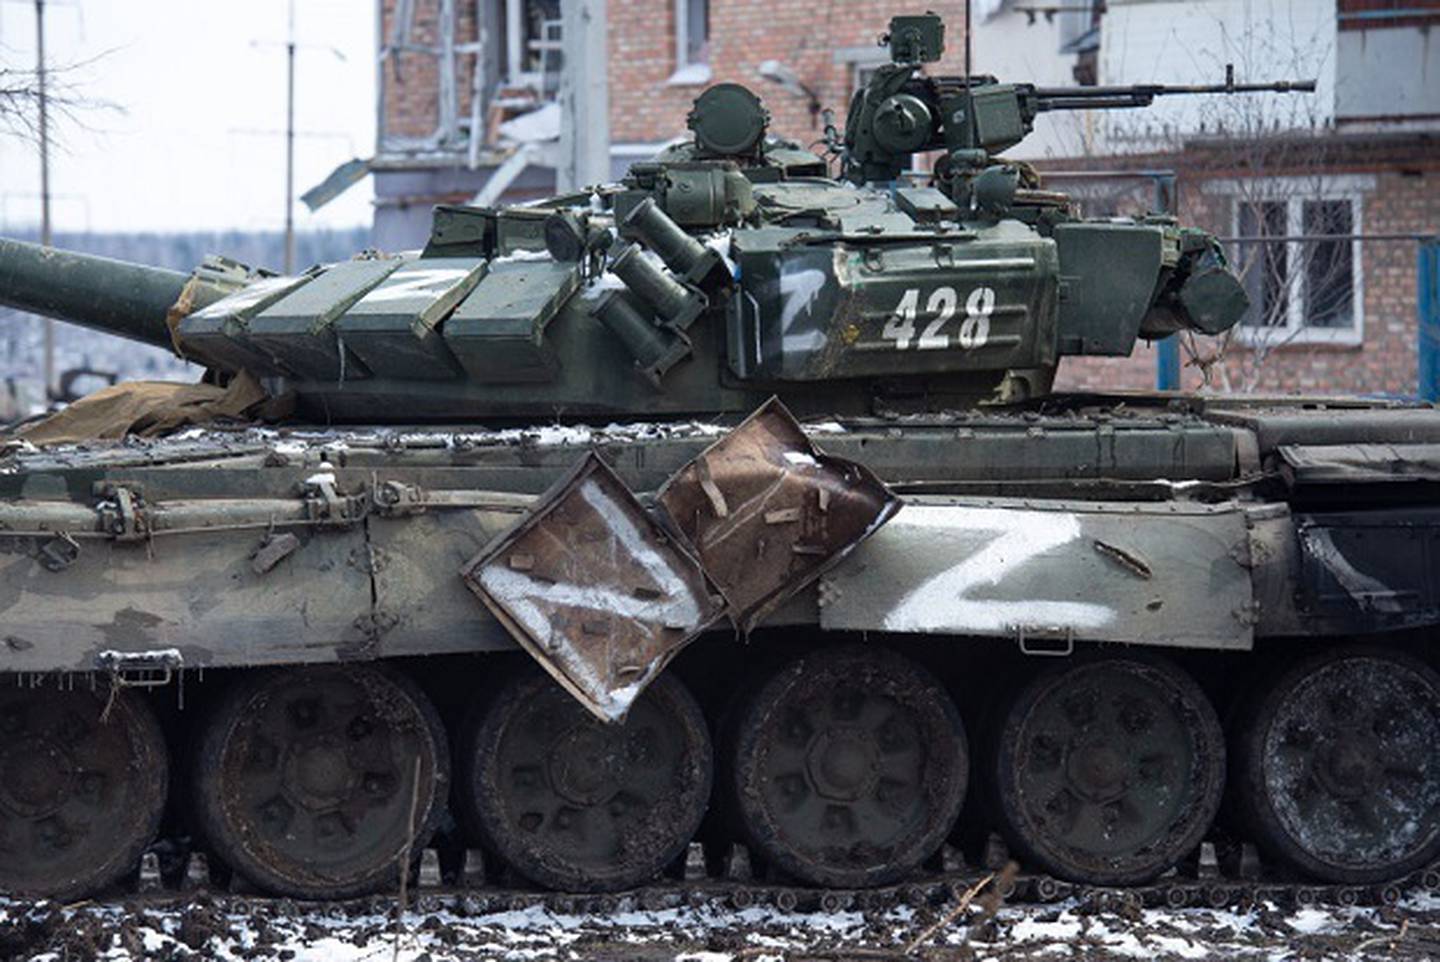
198	142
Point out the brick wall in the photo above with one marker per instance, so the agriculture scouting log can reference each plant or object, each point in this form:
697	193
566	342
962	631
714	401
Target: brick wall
1403	201
413	81
644	105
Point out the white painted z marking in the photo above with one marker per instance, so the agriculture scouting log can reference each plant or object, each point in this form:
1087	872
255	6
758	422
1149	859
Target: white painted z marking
942	602
676	606
428	283
799	290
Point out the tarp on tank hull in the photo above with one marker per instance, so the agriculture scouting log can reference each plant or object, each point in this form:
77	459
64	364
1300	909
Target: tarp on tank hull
150	409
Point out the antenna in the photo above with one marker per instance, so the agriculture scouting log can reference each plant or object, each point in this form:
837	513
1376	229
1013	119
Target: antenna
967	43
291	46
969	88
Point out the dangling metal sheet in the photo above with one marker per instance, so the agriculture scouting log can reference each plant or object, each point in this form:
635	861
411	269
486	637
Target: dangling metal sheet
593	587
767	513
603	595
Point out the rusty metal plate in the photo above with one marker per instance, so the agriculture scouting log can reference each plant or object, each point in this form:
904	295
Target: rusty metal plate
767	512
595	589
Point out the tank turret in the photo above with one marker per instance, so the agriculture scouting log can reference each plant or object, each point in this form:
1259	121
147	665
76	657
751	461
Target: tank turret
901	113
727	270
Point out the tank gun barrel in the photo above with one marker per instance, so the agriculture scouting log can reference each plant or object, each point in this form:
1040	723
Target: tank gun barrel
130	300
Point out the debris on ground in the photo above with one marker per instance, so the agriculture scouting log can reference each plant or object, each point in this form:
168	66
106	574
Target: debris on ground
443	928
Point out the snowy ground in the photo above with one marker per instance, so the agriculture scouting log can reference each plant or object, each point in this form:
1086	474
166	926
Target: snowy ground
206	929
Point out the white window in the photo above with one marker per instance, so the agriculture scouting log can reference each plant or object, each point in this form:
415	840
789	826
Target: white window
1296	253
692	42
532	44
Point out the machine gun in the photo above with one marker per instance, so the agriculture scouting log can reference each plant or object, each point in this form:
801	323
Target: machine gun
973	118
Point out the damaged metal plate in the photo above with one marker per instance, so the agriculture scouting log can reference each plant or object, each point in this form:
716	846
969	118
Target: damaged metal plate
594	589
1359	463
767	513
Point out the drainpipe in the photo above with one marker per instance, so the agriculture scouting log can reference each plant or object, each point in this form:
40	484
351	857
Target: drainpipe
1428	318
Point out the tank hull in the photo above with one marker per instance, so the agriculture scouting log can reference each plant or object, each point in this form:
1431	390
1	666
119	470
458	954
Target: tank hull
856	649
1169	502
1219	533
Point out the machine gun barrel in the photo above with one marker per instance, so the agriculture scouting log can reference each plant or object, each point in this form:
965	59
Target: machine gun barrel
1143	95
117	297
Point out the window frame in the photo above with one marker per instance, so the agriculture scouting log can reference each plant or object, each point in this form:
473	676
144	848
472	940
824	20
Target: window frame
855	60
858	79
518	46
688	71
1295	192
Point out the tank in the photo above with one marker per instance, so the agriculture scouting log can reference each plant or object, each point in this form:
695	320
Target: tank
720	527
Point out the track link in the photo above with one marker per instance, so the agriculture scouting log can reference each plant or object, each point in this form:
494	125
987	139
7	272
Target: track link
469	894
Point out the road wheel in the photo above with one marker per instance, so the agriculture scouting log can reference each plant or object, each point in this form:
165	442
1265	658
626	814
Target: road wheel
322	782
848	767
82	789
1338	766
580	805
1109	770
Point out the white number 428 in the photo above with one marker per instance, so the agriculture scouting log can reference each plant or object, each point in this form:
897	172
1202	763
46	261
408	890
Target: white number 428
940	308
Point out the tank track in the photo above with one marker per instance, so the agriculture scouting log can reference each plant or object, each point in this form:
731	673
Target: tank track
467	891
717	873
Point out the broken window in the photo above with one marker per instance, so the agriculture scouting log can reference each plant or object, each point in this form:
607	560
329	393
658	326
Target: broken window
532	44
477	64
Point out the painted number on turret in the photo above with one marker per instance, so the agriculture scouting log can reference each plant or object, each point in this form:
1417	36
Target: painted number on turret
939	309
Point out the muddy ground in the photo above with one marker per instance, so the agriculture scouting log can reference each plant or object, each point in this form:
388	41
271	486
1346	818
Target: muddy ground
439	929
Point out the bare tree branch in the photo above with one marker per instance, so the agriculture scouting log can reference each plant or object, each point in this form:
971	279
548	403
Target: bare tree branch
67	103
1258	167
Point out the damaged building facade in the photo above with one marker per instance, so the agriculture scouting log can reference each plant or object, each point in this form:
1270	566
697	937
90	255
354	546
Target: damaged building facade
465	86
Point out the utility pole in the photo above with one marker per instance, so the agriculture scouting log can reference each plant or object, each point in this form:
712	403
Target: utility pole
290	145
291	47
44	127
584	97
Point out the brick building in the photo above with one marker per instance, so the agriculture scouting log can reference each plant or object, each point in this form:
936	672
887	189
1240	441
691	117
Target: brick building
830	45
1327	193
1327	316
